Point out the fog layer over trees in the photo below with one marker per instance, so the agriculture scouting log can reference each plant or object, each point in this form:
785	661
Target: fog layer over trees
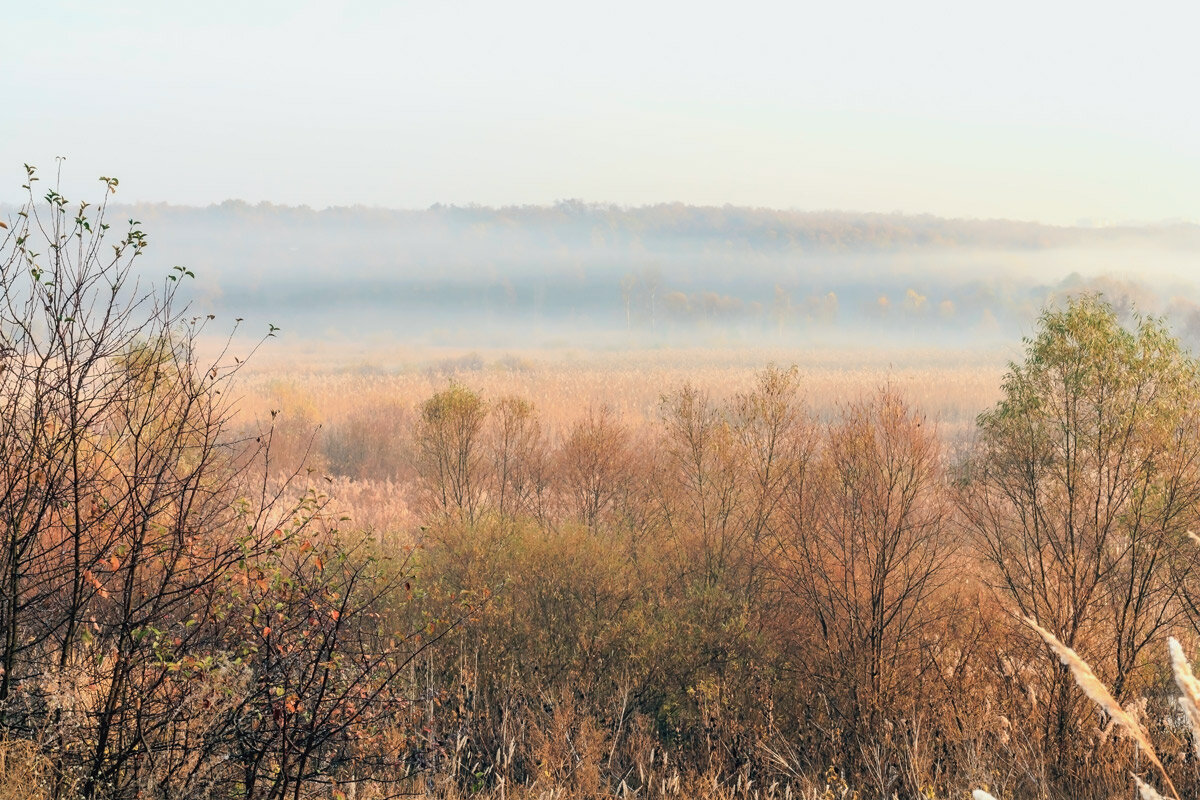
590	275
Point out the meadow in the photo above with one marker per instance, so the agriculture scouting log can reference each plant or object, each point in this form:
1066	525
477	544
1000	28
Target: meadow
354	423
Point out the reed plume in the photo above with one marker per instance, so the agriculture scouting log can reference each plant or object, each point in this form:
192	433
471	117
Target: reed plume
1189	686
1098	693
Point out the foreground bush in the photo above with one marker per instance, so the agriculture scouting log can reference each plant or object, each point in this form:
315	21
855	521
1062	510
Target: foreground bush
174	621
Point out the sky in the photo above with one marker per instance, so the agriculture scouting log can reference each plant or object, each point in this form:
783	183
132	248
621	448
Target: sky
1060	112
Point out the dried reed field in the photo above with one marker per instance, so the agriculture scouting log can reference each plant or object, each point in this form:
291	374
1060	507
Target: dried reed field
353	424
950	387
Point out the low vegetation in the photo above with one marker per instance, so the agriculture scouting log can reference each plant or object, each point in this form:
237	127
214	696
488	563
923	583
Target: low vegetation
737	592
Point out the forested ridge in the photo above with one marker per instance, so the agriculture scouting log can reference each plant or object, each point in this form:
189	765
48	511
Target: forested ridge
740	598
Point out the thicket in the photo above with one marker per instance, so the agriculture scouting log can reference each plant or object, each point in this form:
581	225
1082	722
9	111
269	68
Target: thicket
776	599
178	620
741	599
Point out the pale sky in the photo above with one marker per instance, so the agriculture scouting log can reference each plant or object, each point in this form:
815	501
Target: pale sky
1031	110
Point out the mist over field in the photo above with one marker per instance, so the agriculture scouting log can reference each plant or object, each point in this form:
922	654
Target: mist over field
624	401
599	276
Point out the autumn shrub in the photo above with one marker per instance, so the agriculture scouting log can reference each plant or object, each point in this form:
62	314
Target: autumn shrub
180	615
551	626
370	443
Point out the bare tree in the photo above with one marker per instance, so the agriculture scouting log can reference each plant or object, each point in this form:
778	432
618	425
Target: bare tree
593	468
702	491
867	556
518	459
777	440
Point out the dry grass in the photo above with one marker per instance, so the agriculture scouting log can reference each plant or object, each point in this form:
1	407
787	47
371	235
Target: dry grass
1189	688
659	780
1098	693
25	772
952	387
358	419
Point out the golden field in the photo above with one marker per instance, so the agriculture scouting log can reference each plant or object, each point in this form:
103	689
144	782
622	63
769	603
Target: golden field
377	398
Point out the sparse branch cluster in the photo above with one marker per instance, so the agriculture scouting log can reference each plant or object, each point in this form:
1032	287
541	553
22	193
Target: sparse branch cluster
172	622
